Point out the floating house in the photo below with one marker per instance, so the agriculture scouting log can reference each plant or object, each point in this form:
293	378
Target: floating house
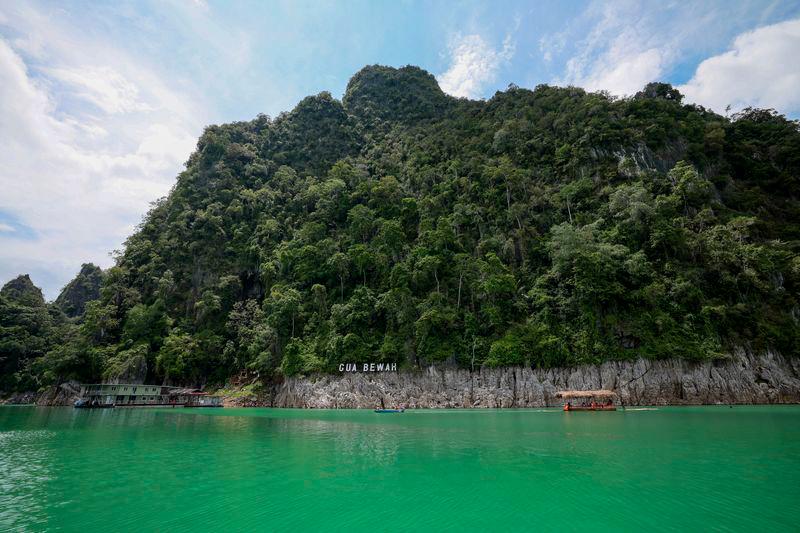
98	395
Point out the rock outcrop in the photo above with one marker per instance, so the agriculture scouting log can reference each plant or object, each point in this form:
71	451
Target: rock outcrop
744	378
20	398
64	394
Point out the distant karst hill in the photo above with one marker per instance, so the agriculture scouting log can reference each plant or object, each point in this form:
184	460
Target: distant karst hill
546	227
40	342
21	290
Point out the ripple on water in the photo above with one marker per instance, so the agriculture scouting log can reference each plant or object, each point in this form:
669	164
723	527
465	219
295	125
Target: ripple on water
24	472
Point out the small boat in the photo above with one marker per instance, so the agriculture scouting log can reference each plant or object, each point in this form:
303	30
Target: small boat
590	408
83	403
591	400
389	410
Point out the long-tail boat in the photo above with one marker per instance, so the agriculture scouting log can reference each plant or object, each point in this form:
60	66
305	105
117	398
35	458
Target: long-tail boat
588	400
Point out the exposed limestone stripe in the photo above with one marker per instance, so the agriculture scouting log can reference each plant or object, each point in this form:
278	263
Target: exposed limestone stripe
743	378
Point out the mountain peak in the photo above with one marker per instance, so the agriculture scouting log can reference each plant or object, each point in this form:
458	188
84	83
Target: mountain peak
22	290
84	288
405	94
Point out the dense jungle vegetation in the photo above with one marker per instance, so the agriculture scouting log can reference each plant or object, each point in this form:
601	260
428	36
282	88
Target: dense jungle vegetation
543	227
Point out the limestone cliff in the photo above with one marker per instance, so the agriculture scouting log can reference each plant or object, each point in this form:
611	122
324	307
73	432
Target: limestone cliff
744	378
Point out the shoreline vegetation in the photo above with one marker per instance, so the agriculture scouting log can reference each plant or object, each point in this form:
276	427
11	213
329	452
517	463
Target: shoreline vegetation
537	233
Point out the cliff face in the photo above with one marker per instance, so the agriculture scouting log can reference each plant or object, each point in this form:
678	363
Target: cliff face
743	379
62	395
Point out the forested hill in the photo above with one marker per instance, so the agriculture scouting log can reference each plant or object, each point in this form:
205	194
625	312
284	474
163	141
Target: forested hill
547	228
42	343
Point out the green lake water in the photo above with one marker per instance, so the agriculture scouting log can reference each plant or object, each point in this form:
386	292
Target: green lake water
680	469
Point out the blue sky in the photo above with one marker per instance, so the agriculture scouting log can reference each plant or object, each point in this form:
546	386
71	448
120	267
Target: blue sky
101	103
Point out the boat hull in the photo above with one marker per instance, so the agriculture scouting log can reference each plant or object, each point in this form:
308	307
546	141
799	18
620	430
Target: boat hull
599	408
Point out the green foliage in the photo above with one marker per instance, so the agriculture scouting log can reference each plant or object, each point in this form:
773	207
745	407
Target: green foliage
84	288
177	356
25	335
544	228
21	291
378	94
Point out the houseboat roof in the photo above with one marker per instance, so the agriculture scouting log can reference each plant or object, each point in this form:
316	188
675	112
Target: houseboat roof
602	393
170	389
122	385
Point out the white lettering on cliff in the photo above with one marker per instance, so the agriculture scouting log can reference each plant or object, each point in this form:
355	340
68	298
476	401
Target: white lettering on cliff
368	367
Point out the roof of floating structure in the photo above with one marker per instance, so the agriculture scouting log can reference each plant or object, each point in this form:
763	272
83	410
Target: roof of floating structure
602	393
172	391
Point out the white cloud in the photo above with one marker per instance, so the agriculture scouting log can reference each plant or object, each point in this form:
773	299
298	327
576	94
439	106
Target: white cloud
474	65
5	228
201	4
625	70
621	46
79	177
762	69
102	86
550	45
622	52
